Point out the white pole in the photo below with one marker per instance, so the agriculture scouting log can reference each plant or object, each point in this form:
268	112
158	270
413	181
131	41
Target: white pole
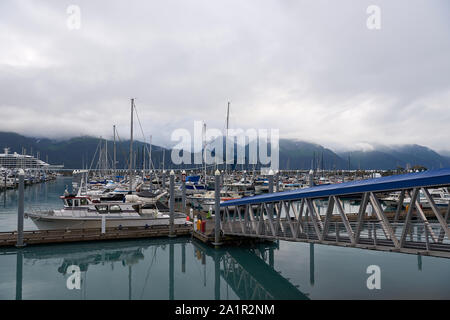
103	224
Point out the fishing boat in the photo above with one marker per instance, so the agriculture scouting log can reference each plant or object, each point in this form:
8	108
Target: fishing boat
81	212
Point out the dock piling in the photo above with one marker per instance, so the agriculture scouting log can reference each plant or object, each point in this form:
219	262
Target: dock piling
20	211
183	190
103	224
172	204
217	209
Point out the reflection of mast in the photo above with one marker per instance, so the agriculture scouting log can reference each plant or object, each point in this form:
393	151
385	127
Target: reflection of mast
171	272
183	257
19	266
129	282
419	262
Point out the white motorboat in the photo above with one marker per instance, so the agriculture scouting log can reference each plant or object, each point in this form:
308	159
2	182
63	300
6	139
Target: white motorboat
81	212
440	197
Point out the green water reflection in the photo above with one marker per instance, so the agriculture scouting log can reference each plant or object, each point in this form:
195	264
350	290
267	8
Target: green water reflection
182	268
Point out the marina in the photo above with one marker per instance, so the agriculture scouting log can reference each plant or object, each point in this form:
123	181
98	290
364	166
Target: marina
240	268
243	153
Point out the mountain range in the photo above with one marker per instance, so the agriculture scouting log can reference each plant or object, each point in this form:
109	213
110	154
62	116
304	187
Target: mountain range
80	152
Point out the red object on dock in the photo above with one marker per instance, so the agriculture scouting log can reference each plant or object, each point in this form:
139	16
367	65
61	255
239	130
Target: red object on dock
203	226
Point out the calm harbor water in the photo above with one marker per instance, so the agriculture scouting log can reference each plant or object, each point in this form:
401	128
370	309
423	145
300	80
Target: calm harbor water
182	268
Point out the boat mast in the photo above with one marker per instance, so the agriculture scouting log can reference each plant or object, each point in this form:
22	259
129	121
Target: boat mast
143	163
150	155
226	141
164	156
114	147
131	148
106	156
204	150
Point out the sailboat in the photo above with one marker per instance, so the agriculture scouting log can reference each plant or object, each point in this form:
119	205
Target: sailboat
81	211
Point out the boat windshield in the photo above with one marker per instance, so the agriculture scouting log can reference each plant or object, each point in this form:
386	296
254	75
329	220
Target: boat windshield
101	208
115	208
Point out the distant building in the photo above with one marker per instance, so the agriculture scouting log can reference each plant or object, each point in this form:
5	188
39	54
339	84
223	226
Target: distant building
15	160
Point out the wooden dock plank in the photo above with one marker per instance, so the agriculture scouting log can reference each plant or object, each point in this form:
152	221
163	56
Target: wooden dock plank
78	235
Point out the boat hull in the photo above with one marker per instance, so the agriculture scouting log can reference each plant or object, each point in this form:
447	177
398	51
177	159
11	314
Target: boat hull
51	223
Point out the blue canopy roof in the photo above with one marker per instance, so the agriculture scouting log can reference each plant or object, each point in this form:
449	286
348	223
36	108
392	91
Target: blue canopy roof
193	179
431	178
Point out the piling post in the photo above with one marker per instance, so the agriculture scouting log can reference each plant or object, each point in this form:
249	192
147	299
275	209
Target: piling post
277	182
217	209
172	204
244	176
374	234
183	190
103	224
20	212
336	226
311	178
163	180
427	241
271	173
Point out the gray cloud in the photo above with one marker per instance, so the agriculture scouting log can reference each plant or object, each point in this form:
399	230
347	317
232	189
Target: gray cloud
310	68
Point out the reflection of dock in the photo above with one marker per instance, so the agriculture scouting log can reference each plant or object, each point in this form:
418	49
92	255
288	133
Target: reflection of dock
249	275
254	279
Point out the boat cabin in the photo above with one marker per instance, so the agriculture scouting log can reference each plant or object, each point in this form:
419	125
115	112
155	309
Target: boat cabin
72	201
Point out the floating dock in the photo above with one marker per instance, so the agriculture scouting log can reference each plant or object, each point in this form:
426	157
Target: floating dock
94	234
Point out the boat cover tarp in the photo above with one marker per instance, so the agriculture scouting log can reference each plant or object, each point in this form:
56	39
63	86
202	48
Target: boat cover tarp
193	179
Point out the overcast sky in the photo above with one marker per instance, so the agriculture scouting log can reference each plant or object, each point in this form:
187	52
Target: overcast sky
309	68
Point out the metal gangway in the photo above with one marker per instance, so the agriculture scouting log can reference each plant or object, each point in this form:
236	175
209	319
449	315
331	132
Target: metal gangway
416	224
